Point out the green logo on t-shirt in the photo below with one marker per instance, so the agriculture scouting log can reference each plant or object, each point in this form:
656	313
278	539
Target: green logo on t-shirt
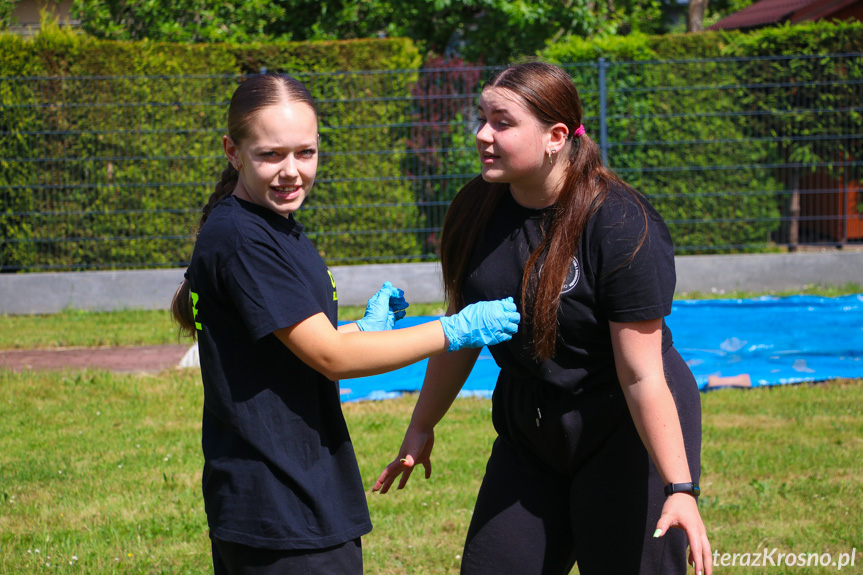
195	309
333	281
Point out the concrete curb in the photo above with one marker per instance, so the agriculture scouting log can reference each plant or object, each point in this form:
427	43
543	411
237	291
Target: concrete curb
39	293
768	272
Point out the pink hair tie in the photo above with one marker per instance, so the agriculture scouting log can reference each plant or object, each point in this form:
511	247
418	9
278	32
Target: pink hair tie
579	131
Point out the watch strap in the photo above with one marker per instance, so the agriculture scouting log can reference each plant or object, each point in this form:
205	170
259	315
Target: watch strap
692	488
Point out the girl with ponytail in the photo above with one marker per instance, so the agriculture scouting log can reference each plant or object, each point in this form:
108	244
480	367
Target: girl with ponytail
597	458
282	489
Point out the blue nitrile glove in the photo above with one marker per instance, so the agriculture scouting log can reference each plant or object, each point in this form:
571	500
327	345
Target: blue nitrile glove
398	303
383	309
481	323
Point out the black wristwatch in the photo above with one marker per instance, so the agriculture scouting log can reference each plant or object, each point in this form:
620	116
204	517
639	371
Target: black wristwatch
682	488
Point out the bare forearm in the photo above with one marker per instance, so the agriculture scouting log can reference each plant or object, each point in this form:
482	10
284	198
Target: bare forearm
445	376
340	355
638	357
371	353
655	416
349	328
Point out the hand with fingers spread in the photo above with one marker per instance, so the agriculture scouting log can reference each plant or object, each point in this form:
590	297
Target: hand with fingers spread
680	511
416	449
383	309
481	323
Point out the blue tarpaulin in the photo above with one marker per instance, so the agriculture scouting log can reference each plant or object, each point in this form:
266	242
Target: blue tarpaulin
727	343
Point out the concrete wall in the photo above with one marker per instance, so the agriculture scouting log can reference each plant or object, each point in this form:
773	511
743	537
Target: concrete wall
153	289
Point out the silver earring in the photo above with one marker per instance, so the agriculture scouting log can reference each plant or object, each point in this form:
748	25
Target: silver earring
551	154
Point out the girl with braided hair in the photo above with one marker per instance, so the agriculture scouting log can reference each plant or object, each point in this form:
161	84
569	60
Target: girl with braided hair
282	489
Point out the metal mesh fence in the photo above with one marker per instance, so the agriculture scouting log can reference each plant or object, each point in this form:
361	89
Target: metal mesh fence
737	154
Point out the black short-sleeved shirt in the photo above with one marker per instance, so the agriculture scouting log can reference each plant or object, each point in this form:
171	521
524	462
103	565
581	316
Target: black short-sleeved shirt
279	468
605	282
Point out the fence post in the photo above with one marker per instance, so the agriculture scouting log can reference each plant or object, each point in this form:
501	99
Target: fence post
603	110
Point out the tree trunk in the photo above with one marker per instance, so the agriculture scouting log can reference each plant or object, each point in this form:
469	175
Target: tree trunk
794	212
695	19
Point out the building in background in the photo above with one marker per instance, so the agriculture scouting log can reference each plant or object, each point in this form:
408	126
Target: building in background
776	12
26	15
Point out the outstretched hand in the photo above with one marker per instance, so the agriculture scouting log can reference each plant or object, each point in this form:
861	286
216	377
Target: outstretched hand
416	449
383	309
481	323
680	511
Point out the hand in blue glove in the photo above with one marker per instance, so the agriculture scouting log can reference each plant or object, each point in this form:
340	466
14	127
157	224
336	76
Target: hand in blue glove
398	303
482	323
384	309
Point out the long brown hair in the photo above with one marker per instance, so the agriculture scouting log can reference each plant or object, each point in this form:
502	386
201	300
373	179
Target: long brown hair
549	94
252	95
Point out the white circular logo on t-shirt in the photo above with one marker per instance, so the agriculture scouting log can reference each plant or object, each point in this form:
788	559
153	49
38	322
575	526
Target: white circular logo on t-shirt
571	277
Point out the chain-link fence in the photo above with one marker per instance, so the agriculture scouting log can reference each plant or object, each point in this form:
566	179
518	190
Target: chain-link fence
737	154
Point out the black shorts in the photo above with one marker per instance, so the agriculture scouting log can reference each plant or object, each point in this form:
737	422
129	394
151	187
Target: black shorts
236	559
569	480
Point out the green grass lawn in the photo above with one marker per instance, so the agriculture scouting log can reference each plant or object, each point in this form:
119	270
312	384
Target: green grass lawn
100	474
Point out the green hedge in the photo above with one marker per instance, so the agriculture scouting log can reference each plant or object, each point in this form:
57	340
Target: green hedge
121	185
734	128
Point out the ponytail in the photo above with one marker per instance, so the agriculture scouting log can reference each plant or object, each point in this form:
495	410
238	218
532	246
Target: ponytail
225	187
181	305
182	312
584	188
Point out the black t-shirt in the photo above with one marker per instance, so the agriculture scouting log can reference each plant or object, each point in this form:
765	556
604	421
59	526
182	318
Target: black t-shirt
605	283
279	468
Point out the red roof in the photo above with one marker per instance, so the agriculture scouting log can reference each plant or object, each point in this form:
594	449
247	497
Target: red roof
821	9
768	12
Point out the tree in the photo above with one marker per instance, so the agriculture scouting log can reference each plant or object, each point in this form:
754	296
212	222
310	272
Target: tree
170	21
492	31
488	31
7	8
695	19
478	30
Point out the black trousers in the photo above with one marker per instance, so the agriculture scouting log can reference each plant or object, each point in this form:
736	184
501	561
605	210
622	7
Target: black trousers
569	480
236	559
